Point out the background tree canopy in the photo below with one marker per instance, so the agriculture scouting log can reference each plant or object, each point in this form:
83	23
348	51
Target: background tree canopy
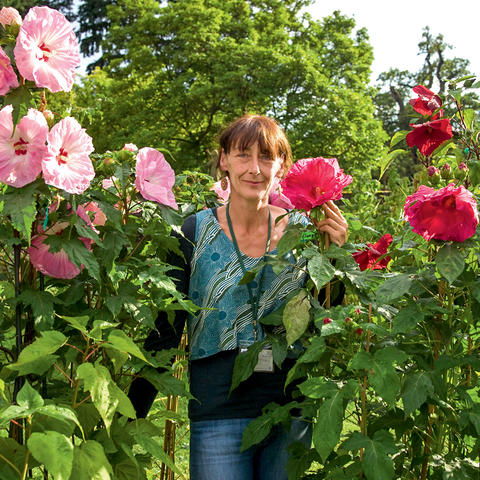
175	72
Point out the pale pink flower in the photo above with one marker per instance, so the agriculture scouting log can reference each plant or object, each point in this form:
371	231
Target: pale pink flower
311	182
108	182
155	177
22	150
8	78
221	193
10	16
99	218
56	264
277	197
131	147
47	51
67	164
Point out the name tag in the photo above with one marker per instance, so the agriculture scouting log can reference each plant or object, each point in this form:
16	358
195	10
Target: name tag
265	361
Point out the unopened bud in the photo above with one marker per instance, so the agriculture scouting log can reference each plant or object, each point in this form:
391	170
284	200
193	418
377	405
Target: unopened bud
446	171
433	171
10	20
359	331
463	166
49	117
461	171
327	320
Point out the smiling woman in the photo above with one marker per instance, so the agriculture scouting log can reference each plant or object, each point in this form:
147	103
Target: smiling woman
219	246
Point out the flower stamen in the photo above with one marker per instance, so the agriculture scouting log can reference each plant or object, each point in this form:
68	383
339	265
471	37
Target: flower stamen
19	147
46	52
62	157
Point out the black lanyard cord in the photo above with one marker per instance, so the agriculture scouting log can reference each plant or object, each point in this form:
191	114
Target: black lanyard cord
253	300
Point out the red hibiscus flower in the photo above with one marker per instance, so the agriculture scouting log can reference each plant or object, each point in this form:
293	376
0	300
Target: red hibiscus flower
370	257
313	181
427	102
430	135
448	214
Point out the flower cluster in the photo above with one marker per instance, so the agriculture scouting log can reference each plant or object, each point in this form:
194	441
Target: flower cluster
428	136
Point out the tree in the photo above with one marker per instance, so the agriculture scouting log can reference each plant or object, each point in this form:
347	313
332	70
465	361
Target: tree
183	69
64	6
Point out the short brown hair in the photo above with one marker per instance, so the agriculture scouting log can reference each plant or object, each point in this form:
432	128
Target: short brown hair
250	129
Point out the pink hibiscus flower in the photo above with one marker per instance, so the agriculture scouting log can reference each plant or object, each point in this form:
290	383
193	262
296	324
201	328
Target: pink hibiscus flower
313	181
56	264
369	257
221	193
277	197
427	102
21	151
131	147
67	164
448	214
47	51
8	78
10	16
99	218
154	177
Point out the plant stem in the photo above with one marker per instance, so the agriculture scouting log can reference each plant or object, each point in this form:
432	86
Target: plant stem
363	420
8	462
328	293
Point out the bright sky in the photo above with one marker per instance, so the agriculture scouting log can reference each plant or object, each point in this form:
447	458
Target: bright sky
395	28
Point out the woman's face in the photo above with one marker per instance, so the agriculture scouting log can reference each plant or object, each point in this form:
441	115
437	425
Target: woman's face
251	172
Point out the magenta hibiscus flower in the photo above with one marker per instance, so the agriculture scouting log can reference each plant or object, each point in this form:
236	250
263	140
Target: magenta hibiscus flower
67	164
8	78
47	51
427	102
448	214
21	151
313	181
429	136
154	177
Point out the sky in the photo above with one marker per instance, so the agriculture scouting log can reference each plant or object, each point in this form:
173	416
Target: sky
395	28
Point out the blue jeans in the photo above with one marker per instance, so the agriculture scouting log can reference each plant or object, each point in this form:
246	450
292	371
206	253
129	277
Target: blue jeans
215	450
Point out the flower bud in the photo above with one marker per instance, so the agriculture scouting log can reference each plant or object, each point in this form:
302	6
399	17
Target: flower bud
49	117
461	171
357	311
327	320
348	319
10	16
433	171
359	331
446	171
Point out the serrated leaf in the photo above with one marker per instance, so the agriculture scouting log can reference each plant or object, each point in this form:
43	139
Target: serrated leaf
407	318
245	364
321	270
416	390
119	340
37	357
376	463
90	462
290	239
316	387
106	395
79	255
53	450
393	288
327	429
296	316
19	204
450	262
28	398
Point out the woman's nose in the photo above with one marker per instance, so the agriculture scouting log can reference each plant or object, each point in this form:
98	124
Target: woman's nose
254	165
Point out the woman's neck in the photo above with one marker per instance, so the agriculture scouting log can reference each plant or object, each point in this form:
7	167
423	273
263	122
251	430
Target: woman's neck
248	216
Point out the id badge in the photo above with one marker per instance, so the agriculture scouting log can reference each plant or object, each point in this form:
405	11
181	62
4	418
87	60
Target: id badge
265	361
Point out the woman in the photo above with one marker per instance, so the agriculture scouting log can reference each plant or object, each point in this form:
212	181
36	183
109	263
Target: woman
219	246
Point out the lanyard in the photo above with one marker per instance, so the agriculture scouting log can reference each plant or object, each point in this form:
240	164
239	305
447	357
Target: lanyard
253	300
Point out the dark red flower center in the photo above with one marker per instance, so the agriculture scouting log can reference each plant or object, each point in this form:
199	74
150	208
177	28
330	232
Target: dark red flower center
20	147
46	52
449	202
62	156
318	192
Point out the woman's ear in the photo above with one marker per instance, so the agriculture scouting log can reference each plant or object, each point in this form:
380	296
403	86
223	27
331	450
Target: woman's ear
223	161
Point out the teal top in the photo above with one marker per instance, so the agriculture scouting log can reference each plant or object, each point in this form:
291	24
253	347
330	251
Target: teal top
226	319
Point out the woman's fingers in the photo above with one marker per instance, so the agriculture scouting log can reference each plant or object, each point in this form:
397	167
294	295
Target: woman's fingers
334	224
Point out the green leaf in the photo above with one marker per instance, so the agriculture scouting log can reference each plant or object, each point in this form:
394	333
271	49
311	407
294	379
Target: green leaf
388	159
450	262
296	316
398	137
106	396
113	243
37	357
376	463
317	387
290	239
407	318
321	270
90	462
79	323
166	383
19	204
245	364
84	230
327	429
256	431
469	117
416	390
53	450
42	305
119	340
393	288
15	454
28	398
62	414
79	254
